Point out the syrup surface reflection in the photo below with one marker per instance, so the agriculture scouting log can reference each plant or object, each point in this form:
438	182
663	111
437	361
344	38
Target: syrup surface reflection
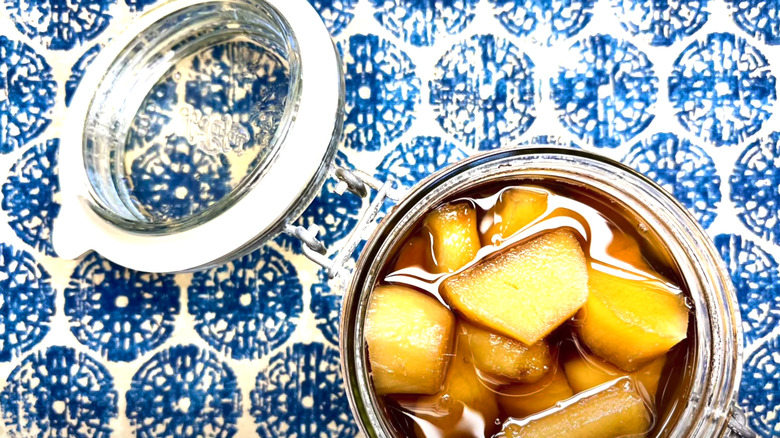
587	382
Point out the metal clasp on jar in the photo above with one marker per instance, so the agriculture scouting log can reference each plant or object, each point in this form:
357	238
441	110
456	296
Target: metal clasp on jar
359	183
738	425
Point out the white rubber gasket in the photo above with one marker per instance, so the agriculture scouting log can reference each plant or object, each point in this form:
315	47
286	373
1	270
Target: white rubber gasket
78	228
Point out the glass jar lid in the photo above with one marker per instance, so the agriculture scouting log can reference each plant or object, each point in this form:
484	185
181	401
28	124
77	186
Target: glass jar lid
198	133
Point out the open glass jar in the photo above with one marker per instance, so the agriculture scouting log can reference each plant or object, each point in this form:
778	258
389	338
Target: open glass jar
203	129
210	125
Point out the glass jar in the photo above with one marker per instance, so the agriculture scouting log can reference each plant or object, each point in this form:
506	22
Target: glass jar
717	351
201	131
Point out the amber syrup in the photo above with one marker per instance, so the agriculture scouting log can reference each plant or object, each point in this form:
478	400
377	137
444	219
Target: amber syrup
604	227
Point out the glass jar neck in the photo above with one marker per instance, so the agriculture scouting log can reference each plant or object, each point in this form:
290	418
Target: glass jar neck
717	354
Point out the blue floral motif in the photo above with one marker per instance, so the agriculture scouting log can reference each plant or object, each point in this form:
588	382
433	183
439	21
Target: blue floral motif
184	391
551	140
410	162
722	89
336	14
77	71
28	196
754	184
336	215
120	313
754	273
382	92
241	80
249	306
26	302
302	394
139	5
153	116
326	306
484	92
230	97
759	18
758	394
420	23
545	21
681	168
662	22
27	94
59	393
193	181
605	92
60	24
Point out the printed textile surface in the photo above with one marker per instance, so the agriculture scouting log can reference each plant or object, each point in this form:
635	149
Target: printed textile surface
683	91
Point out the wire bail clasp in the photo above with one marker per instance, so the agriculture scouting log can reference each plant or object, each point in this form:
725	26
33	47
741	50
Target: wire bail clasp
359	183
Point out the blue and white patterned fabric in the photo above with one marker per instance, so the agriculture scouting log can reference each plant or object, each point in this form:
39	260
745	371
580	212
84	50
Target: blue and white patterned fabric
685	92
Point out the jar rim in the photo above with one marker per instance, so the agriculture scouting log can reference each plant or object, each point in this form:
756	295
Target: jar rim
717	361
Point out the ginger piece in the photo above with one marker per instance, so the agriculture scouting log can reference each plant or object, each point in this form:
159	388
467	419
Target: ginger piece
585	371
409	336
516	208
630	322
453	228
505	357
614	410
463	399
527	290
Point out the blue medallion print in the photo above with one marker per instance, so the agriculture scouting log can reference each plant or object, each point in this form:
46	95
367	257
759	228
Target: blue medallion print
722	89
759	389
60	24
240	80
605	92
326	306
139	5
154	115
759	18
184	391
26	302
206	125
336	215
77	72
545	21
249	306
412	161
662	22
27	94
382	92
682	169
754	184
551	140
754	273
192	182
59	393
302	394
28	196
484	93
419	23
120	313
336	14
